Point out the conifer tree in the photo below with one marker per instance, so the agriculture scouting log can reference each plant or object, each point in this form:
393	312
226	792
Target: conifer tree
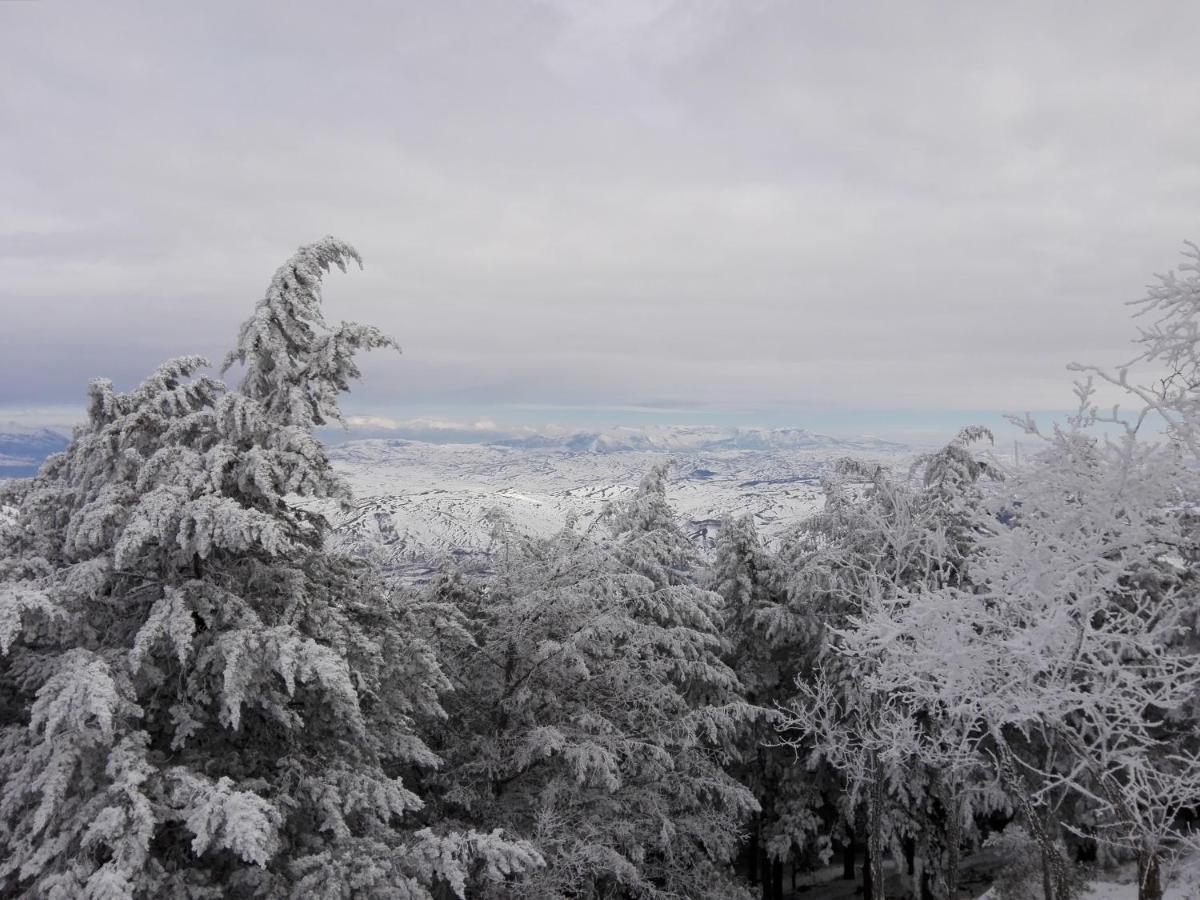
880	537
768	640
592	713
199	700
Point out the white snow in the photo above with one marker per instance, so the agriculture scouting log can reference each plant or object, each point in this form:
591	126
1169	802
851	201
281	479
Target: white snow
423	500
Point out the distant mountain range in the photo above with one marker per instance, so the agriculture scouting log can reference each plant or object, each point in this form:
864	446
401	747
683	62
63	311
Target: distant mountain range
419	501
22	451
426	489
694	439
670	439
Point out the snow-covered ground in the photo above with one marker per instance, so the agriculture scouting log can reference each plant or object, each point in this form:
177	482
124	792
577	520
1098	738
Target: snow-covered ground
421	501
1183	883
827	883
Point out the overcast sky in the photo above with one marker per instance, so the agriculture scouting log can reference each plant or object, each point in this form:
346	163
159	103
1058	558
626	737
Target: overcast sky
747	210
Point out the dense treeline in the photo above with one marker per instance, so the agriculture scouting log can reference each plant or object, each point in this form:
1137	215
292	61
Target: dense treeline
199	698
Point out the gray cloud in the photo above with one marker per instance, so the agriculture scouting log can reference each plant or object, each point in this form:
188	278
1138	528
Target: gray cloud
688	204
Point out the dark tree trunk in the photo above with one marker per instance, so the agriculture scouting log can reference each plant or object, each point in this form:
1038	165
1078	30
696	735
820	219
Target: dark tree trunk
848	854
1056	880
910	855
926	892
764	866
953	844
777	880
754	856
875	848
868	886
1149	877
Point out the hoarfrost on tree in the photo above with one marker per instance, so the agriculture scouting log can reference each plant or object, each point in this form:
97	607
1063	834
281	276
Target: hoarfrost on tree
200	700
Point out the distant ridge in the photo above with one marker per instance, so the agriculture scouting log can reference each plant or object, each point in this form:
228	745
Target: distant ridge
616	439
22	451
677	439
419	500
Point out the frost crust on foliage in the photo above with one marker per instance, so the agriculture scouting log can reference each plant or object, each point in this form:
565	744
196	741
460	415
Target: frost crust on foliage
199	700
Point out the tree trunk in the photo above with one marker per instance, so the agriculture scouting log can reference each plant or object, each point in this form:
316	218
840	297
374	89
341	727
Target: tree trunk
868	887
777	880
1149	876
754	855
953	844
1047	875
848	854
875	848
764	866
926	890
1056	881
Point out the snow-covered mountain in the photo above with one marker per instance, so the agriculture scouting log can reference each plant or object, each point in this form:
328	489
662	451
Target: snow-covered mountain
418	501
614	439
23	450
666	439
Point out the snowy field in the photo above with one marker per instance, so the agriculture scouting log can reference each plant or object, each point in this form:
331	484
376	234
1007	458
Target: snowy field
421	501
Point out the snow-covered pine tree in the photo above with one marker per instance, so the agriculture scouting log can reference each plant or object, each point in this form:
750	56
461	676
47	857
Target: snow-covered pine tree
880	537
592	713
769	640
296	366
198	700
745	577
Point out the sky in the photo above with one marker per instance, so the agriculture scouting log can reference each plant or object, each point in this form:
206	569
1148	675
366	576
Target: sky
856	217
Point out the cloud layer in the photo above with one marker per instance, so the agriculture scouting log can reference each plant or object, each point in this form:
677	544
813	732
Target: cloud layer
752	206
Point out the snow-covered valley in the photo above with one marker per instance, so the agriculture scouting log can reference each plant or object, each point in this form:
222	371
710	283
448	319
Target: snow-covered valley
419	501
